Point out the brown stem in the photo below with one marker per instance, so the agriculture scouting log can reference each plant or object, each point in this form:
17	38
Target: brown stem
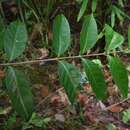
55	59
49	59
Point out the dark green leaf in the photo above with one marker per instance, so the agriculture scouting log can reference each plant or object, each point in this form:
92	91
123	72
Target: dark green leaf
2	30
19	90
96	78
82	9
89	34
119	74
113	39
61	35
15	39
70	78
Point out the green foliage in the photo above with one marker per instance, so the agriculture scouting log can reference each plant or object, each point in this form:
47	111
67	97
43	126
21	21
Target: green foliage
112	19
113	39
129	36
36	121
119	13
82	9
119	74
111	127
61	35
96	78
11	121
88	35
2	29
15	39
94	5
126	116
18	88
70	78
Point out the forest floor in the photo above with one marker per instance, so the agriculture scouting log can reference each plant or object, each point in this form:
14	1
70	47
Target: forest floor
87	114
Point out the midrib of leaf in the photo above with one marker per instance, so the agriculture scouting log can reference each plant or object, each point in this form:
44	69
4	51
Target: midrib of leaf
12	54
68	73
113	38
19	94
86	37
59	50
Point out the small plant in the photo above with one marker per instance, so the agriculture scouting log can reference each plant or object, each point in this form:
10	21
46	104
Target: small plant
36	121
13	43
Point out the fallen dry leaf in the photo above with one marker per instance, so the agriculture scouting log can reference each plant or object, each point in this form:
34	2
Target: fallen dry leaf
2	74
115	109
82	98
42	89
55	100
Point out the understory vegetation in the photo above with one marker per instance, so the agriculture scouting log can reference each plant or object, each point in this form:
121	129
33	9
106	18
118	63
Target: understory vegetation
64	64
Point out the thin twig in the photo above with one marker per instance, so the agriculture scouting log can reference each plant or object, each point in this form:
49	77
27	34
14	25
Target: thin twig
49	59
116	104
54	59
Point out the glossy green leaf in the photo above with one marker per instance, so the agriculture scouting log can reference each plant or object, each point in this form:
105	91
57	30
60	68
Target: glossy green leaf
89	34
96	78
94	5
18	88
129	36
15	39
61	35
82	9
119	74
70	78
113	39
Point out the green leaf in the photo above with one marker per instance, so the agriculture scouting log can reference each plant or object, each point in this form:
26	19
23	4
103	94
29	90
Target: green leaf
94	5
2	30
120	14
82	9
61	35
18	88
70	78
119	74
129	36
96	78
15	40
89	34
112	19
113	39
111	127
